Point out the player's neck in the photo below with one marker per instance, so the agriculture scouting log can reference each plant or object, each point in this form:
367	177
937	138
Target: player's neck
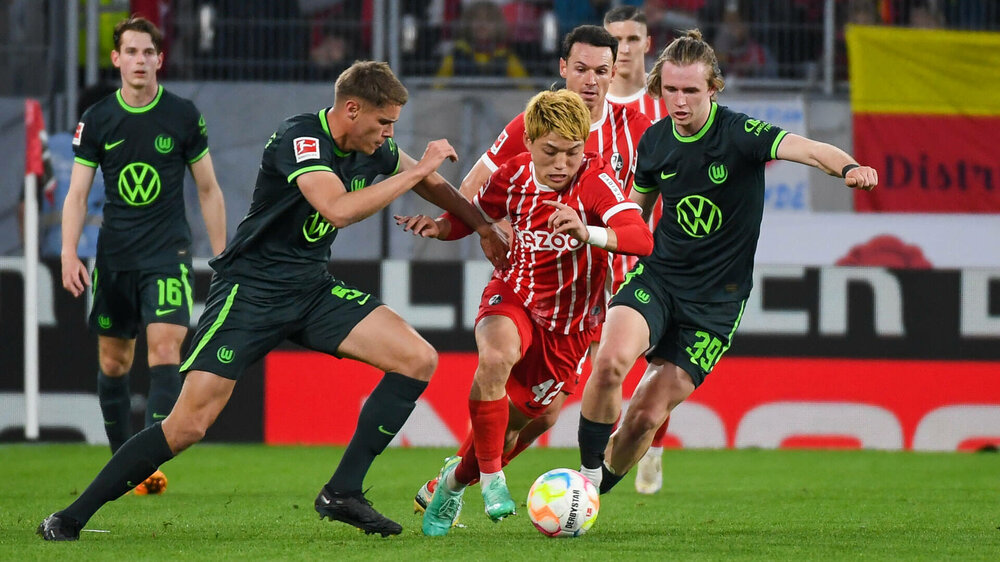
623	87
339	129
597	112
140	97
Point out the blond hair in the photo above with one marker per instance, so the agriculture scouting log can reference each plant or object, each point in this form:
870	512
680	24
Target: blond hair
561	112
688	49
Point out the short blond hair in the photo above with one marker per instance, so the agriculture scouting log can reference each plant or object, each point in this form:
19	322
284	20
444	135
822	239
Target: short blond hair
561	112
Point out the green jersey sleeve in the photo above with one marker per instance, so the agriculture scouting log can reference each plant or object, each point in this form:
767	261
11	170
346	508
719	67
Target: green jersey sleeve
645	180
87	140
303	149
756	139
196	140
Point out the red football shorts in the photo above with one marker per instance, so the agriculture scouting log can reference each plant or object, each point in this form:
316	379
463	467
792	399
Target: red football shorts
550	362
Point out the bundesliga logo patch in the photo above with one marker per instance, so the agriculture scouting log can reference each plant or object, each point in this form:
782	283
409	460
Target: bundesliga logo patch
495	300
306	148
499	142
78	134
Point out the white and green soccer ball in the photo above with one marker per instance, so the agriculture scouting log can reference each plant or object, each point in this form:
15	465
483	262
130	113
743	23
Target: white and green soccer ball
563	503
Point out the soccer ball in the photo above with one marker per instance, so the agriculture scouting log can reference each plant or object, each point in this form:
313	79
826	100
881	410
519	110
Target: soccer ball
563	503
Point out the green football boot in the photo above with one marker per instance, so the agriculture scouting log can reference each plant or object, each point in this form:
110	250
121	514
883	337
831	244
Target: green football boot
496	498
445	506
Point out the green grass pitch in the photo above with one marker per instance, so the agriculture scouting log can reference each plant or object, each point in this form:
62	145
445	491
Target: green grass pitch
229	502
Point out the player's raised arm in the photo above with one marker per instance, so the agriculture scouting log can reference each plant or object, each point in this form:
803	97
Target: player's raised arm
829	159
436	189
475	179
626	232
327	194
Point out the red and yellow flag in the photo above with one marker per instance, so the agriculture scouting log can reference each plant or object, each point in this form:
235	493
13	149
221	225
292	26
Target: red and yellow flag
926	107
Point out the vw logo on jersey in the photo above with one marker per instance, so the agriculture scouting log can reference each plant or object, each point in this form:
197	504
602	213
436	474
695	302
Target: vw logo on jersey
698	216
316	227
617	162
139	184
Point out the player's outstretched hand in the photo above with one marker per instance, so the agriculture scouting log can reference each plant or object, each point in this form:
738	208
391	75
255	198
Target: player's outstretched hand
419	225
495	244
75	277
566	220
436	153
862	177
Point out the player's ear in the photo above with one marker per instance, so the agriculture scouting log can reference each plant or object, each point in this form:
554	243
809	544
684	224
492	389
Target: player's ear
353	109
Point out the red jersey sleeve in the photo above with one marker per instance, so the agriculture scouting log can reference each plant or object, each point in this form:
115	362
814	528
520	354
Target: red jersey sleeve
604	197
509	144
492	197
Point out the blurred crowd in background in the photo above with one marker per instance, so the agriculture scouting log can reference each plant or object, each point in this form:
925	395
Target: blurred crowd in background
316	39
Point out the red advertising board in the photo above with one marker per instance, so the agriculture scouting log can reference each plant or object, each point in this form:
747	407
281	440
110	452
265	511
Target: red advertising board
746	402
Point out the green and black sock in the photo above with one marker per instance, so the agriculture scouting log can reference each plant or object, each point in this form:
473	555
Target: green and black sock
382	416
164	387
135	461
113	395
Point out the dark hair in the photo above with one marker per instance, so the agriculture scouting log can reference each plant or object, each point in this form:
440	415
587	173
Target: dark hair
625	13
141	25
591	35
373	82
687	49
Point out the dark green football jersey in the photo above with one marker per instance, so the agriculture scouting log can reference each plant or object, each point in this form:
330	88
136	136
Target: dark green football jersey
143	153
283	241
712	185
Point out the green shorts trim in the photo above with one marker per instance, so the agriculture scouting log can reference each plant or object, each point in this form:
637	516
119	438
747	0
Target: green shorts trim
692	335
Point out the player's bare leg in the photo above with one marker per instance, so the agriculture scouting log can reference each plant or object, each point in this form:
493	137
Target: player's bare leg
664	387
385	341
623	340
649	470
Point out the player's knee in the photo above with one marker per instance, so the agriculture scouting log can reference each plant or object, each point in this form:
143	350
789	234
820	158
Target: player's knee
164	353
423	361
115	364
642	420
181	433
495	361
609	370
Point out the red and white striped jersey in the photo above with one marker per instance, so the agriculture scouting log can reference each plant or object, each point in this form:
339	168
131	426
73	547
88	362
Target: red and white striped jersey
615	137
653	108
559	279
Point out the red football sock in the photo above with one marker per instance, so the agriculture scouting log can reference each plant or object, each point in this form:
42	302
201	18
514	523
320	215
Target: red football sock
658	436
467	471
489	423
